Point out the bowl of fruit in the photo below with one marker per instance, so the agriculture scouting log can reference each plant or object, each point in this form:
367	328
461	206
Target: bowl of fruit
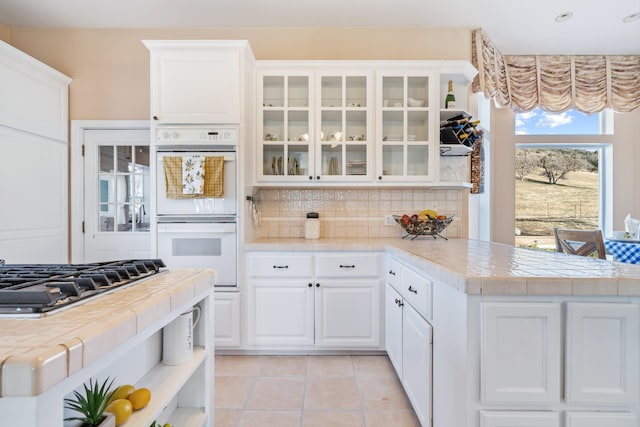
426	223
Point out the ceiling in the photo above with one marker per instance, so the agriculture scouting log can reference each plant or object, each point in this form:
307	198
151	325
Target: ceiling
515	26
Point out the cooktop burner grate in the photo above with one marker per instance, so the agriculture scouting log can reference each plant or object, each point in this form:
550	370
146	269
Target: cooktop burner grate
41	288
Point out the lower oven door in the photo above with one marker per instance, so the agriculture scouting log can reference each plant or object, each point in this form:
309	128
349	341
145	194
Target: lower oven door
200	245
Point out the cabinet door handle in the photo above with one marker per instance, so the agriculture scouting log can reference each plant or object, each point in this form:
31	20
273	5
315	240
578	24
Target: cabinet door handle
380	178
280	266
318	177
310	177
317	285
399	303
415	291
310	285
391	272
347	266
155	117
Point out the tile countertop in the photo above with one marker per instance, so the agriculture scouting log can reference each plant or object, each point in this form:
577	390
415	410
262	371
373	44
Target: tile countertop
478	267
37	353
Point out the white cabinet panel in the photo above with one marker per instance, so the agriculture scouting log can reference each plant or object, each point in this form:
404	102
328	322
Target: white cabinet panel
347	265
519	419
417	290
417	363
227	319
601	419
35	97
347	313
33	219
393	327
602	353
196	81
520	352
281	266
281	314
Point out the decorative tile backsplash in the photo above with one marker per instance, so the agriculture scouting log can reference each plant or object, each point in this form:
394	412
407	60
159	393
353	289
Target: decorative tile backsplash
354	212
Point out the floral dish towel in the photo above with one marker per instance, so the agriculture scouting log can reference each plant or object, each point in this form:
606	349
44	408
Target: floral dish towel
193	174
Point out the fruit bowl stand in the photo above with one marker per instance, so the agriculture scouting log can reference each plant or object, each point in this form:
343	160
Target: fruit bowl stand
415	227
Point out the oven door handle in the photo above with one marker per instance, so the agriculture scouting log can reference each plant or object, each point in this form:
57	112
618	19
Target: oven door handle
218	228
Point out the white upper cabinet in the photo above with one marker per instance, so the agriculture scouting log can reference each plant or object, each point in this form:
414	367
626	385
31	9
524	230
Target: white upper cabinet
35	97
197	81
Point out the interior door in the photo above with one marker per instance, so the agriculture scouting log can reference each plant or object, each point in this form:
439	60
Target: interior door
117	189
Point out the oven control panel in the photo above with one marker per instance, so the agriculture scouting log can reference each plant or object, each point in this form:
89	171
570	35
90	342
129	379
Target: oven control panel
184	135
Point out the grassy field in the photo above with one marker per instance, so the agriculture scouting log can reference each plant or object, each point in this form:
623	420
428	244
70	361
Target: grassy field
572	203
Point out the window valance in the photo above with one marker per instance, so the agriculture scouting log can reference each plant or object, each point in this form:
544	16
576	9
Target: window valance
555	83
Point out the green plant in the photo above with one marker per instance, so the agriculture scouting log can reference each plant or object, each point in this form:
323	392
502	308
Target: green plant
92	404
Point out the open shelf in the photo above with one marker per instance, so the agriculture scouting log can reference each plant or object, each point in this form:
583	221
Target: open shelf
455	150
164	381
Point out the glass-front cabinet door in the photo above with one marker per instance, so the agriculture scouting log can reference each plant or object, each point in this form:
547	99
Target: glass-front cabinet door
405	127
285	130
343	127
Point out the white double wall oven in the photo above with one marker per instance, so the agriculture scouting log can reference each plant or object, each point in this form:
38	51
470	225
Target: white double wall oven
199	231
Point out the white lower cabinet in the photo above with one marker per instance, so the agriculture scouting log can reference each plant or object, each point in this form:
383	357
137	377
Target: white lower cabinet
335	304
227	319
408	341
600	419
602	353
519	419
520	352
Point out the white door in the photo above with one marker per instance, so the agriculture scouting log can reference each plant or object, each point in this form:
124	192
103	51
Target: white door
117	191
393	327
348	313
602	353
417	363
281	314
227	319
520	352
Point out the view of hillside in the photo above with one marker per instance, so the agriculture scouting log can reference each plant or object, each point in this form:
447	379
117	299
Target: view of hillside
572	202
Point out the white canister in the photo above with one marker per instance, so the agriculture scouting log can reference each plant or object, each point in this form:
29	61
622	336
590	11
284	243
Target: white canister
312	226
177	338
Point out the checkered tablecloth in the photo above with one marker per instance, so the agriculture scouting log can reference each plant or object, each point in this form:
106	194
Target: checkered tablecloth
624	251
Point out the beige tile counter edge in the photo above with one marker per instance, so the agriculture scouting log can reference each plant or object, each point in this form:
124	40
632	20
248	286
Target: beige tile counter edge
32	362
485	268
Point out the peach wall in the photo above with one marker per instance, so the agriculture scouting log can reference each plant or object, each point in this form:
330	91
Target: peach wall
110	68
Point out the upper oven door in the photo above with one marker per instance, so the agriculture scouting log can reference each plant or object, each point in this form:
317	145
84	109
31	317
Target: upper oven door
225	205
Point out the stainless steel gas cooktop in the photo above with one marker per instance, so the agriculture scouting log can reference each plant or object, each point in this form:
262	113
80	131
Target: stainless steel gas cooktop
42	288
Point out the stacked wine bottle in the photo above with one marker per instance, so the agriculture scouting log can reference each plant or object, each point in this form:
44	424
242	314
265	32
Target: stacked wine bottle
460	129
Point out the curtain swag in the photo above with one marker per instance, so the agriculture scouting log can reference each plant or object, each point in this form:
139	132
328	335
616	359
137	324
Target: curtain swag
555	83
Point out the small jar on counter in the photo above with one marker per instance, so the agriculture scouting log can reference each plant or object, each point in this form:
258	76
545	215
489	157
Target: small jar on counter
312	226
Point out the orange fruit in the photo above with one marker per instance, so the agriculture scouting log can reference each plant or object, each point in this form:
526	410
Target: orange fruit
140	398
122	409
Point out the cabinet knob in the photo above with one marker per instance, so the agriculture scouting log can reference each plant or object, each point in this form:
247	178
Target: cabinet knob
415	291
310	177
380	177
155	117
317	285
280	266
310	285
318	177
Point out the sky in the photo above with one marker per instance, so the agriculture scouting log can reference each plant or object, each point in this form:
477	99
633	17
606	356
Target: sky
540	122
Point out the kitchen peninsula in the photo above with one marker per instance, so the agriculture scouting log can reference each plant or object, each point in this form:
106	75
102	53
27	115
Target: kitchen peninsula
116	335
517	335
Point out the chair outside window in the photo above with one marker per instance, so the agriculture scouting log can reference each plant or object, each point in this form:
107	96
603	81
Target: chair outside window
580	242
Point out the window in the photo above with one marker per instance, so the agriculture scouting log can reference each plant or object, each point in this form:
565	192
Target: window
123	188
560	174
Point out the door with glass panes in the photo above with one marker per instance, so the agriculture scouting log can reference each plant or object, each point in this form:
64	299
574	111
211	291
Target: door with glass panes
116	195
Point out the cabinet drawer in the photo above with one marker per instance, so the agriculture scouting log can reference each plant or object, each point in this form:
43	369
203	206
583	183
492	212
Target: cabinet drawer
282	266
347	265
416	289
393	273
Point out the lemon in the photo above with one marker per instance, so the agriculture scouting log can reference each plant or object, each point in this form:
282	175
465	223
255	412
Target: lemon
140	398
122	392
122	409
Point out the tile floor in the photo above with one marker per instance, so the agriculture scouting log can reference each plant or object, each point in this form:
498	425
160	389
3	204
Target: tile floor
309	391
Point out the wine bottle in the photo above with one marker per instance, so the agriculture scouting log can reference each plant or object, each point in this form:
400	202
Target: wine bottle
450	100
